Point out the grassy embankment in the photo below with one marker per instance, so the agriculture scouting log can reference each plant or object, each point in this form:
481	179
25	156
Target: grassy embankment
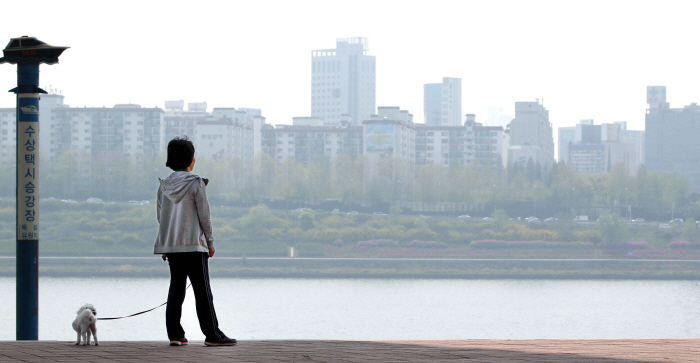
125	230
86	229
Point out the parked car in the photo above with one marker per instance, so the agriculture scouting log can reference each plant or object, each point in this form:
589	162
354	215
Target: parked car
95	200
531	217
677	221
144	202
638	220
487	219
335	211
71	201
378	214
464	217
533	221
134	202
422	216
353	213
551	220
665	226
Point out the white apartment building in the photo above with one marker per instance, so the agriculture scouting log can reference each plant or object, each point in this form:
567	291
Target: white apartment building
390	134
442	102
459	145
124	129
306	143
8	136
343	81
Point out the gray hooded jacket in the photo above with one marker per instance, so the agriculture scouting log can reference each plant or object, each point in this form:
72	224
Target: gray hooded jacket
183	214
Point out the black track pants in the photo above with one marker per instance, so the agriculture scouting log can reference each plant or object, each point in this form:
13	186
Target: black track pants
194	265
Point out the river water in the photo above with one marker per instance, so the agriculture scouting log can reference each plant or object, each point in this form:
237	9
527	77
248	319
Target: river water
376	308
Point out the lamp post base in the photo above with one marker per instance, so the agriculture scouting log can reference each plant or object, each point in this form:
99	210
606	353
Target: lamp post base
27	290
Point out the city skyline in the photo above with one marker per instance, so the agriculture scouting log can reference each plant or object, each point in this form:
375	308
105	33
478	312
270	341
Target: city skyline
579	72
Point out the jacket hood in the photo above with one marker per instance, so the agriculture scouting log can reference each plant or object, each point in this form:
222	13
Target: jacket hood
177	184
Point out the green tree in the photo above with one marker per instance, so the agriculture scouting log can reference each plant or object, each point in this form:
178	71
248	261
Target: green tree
613	230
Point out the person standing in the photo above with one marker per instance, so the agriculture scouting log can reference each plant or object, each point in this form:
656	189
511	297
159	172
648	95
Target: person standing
186	240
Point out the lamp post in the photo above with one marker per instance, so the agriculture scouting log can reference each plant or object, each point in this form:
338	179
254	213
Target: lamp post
28	53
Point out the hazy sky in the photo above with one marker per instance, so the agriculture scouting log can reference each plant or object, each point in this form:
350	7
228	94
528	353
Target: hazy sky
586	59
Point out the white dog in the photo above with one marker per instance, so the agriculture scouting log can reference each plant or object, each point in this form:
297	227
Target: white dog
84	324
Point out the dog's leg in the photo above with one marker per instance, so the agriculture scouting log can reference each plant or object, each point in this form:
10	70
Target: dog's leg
78	342
89	333
94	333
84	333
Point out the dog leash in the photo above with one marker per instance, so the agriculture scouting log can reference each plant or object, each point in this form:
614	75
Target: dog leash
143	312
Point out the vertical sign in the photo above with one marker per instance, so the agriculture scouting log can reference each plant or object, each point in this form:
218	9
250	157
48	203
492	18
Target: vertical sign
28	167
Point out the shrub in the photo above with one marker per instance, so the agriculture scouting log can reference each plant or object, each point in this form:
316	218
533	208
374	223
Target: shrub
684	244
132	240
377	243
309	250
425	244
528	244
306	221
102	240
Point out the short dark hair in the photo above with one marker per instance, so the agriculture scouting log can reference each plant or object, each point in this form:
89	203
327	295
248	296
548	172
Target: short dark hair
180	153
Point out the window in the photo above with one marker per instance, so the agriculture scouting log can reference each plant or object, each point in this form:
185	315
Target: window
87	139
139	123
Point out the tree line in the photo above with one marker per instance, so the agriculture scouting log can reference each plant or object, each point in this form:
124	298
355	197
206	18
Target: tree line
353	182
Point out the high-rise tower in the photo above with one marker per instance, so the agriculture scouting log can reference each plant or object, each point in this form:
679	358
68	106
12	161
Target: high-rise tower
343	82
442	102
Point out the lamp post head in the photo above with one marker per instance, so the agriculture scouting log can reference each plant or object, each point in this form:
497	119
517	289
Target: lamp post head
30	50
28	53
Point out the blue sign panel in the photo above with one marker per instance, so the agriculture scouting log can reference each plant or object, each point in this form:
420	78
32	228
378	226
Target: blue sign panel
28	109
28	167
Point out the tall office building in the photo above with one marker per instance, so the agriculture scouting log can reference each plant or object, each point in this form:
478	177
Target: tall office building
442	102
531	136
343	82
567	136
672	137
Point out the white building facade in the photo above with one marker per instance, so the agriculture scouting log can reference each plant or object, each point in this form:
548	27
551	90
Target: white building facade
343	82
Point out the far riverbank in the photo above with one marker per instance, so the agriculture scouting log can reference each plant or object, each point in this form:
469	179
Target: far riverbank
374	268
